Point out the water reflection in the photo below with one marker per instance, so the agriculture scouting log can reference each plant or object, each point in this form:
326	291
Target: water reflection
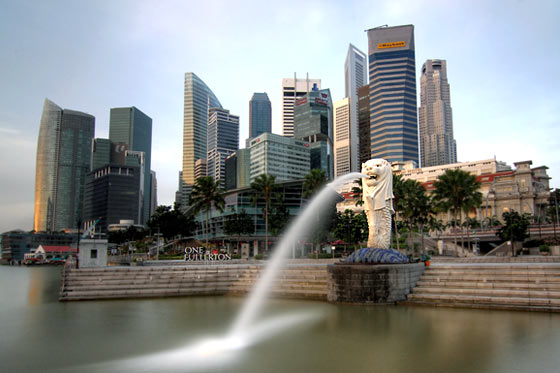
44	335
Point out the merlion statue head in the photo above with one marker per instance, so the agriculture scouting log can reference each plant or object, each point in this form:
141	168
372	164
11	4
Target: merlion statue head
377	188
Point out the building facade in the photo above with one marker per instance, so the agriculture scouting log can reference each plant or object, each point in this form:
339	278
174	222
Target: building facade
15	244
437	145
392	84
364	136
198	98
238	169
284	157
112	194
223	140
63	159
293	89
260	115
130	126
355	76
342	138
313	123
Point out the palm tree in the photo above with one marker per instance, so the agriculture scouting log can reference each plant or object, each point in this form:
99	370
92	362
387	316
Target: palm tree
398	200
455	191
205	193
415	206
313	181
265	188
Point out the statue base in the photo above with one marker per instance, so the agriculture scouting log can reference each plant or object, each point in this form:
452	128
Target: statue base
371	255
371	284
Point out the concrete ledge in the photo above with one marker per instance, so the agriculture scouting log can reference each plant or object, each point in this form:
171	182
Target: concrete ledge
366	283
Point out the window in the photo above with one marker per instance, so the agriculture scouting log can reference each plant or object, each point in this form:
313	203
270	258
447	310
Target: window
93	254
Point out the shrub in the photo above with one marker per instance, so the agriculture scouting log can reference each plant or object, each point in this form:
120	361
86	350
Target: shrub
544	248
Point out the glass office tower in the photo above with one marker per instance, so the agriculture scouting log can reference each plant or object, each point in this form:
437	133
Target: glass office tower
130	126
392	94
260	115
63	159
198	98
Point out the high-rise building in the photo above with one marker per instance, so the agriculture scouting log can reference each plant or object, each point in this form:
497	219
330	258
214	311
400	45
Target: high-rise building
342	144
293	89
198	98
153	194
112	194
130	126
313	123
238	169
437	145
285	158
364	143
355	75
63	159
200	168
260	115
223	140
392	93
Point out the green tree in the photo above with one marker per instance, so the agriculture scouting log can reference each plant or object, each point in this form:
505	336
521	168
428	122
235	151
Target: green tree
358	192
171	222
516	227
239	224
265	189
456	191
398	203
415	206
350	227
279	217
313	181
205	193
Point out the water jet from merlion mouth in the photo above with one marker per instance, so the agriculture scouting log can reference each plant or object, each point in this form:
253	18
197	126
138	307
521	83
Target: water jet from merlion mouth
302	224
247	329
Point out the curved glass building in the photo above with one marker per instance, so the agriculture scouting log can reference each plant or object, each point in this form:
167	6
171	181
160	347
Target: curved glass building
63	159
198	99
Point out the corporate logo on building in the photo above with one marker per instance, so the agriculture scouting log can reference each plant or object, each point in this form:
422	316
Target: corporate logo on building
301	101
394	44
195	254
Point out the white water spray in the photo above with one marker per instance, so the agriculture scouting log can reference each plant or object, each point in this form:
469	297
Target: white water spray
304	223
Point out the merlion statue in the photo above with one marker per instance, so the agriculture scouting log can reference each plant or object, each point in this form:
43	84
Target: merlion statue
377	193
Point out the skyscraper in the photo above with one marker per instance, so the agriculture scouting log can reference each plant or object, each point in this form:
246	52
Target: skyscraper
293	89
63	159
392	93
364	143
355	74
342	147
260	115
313	123
437	145
223	140
197	100
130	126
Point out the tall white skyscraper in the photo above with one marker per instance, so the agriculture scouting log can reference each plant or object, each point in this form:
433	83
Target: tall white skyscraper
355	76
291	90
223	140
342	147
437	145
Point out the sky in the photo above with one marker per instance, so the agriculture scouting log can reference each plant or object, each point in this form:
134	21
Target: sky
502	61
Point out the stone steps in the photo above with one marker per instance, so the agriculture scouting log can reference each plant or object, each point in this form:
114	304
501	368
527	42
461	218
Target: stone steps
514	286
132	282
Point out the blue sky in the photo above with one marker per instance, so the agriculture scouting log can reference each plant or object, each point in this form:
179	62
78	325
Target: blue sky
502	59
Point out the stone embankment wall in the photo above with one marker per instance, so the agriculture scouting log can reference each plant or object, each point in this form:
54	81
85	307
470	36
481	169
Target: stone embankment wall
501	284
293	281
363	283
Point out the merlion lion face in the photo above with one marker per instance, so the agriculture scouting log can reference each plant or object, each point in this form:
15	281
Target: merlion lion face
377	171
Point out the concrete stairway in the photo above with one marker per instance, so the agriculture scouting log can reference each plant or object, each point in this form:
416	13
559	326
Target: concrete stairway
509	286
295	281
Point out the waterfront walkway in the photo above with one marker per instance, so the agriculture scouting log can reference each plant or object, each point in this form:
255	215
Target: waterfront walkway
521	283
